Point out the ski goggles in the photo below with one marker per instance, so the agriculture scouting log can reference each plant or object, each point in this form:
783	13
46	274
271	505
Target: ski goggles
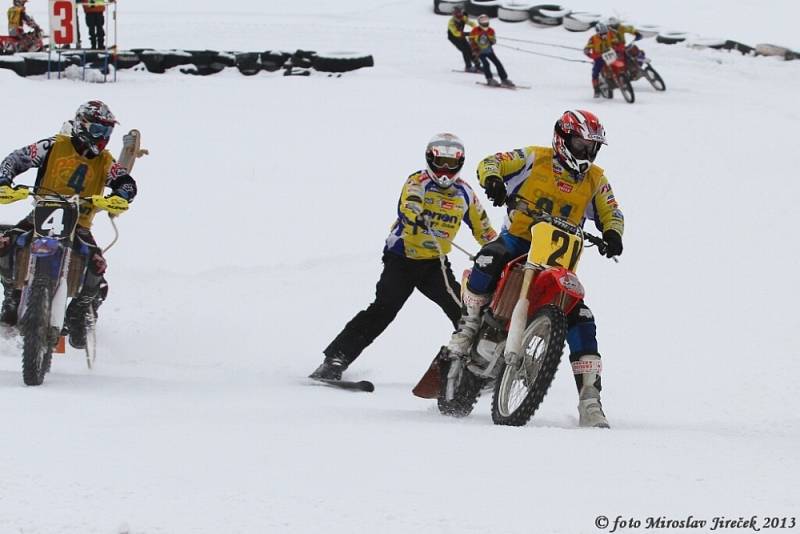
99	131
583	148
446	162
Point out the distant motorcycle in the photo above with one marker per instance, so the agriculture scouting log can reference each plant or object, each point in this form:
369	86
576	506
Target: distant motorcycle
32	41
615	76
638	66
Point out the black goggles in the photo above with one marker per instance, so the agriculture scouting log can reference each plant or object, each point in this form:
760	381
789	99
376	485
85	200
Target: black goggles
583	148
98	131
446	162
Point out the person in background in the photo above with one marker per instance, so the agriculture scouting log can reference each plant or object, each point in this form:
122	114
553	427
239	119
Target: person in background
602	41
433	204
17	19
482	40
94	10
455	34
619	30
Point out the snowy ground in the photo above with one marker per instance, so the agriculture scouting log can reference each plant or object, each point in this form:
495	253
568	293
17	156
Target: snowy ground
257	234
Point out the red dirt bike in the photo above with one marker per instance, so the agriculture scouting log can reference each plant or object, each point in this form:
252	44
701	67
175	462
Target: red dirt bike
638	66
32	41
522	332
615	76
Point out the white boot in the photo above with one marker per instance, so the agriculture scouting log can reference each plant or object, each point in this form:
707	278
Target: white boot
590	411
461	340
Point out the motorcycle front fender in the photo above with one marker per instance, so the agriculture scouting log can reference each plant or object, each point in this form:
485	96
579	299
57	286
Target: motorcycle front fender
555	285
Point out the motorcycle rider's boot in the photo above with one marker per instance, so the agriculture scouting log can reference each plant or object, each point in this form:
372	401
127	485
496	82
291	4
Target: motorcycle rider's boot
596	86
10	307
460	342
331	368
79	313
590	410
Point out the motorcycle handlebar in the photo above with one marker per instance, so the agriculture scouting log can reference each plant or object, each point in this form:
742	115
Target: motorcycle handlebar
514	203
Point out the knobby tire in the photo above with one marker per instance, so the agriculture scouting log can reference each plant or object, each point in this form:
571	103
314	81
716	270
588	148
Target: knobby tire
37	349
537	389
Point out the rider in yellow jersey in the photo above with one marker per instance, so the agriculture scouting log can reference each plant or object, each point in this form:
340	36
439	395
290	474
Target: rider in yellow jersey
563	181
77	163
433	204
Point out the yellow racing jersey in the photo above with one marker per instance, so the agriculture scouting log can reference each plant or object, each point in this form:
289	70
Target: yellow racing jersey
534	176
68	173
620	31
445	208
15	17
455	26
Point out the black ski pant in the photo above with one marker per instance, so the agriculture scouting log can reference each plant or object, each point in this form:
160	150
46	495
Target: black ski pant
399	278
97	34
463	47
487	70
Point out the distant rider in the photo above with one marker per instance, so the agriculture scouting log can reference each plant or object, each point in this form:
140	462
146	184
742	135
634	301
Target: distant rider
561	180
433	204
17	19
68	164
456	35
599	43
482	40
620	30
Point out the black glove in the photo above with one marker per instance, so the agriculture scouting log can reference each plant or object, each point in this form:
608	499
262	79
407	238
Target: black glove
613	243
496	190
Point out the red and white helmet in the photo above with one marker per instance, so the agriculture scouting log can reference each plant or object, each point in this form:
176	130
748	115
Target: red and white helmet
445	158
577	139
92	127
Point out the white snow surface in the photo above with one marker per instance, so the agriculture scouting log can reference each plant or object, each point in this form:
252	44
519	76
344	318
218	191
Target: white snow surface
257	235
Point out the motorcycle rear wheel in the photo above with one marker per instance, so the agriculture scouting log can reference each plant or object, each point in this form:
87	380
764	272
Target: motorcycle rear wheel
37	348
605	88
625	87
520	389
464	392
654	78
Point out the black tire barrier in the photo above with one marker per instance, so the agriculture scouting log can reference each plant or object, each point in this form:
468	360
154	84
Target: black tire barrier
482	7
13	63
273	60
739	47
513	12
202	62
703	42
548	14
581	21
125	60
341	61
446	7
158	61
302	59
248	63
671	37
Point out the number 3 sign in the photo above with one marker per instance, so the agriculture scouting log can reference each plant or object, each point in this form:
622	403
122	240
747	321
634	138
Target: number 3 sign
62	22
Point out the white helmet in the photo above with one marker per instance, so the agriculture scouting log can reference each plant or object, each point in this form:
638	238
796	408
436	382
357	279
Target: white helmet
445	157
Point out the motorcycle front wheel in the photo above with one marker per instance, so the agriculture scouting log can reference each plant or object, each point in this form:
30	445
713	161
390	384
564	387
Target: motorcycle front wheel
521	387
654	78
625	87
37	348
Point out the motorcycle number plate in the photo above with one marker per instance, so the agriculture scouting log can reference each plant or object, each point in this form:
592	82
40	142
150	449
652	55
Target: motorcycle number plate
554	247
609	56
55	219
